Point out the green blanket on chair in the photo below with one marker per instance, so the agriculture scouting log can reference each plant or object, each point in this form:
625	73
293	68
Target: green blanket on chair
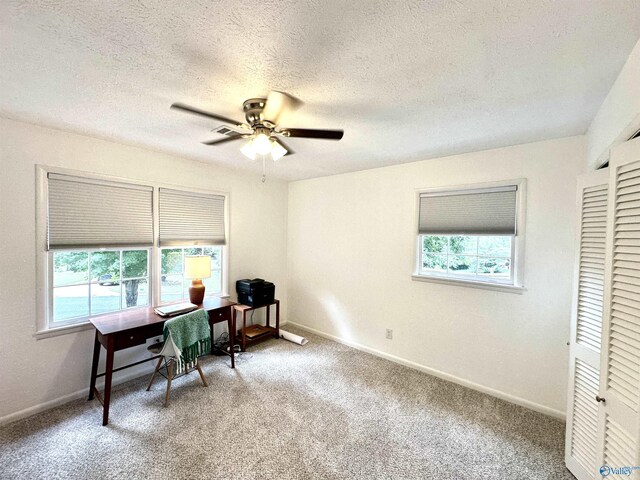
191	337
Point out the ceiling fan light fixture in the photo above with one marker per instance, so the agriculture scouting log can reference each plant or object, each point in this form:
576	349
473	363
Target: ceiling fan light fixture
277	150
248	150
262	144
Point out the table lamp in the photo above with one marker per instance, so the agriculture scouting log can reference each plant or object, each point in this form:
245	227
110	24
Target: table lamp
197	267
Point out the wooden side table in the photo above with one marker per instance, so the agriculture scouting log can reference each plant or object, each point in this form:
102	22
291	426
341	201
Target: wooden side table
267	332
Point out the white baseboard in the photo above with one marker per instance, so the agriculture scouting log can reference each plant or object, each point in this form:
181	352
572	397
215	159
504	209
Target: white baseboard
437	373
41	407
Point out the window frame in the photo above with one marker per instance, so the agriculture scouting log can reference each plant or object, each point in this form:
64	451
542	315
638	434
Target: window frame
45	327
516	284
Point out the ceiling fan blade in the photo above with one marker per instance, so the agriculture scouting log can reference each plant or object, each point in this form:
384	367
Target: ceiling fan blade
278	103
223	140
196	111
310	133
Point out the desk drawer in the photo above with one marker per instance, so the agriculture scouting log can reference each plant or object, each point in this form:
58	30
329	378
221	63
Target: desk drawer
129	339
220	315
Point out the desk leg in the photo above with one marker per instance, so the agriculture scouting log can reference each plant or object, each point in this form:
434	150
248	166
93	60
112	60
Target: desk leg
94	366
277	319
107	379
232	335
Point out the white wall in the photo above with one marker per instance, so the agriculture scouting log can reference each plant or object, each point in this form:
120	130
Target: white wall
351	244
38	372
619	115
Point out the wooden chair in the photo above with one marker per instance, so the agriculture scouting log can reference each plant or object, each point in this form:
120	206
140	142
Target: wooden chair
168	354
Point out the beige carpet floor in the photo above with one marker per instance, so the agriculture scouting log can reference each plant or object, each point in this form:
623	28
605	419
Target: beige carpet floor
321	411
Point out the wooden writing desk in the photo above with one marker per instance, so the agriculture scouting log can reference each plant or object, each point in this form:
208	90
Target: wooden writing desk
130	328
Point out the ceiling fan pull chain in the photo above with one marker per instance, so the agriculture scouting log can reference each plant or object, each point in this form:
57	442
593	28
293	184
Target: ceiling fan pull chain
264	175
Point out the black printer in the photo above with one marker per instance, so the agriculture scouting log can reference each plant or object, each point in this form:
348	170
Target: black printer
256	292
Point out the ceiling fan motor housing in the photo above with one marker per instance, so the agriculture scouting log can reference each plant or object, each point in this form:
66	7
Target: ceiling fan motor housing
253	110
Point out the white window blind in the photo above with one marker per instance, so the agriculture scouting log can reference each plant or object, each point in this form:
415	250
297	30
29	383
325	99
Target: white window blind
188	218
87	213
486	211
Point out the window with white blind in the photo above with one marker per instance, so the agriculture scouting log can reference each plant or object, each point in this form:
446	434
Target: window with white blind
107	245
188	218
86	212
472	235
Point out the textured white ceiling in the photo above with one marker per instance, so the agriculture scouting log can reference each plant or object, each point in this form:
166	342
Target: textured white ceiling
406	80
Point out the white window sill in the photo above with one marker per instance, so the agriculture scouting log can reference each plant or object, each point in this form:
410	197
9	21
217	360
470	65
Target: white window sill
470	283
64	330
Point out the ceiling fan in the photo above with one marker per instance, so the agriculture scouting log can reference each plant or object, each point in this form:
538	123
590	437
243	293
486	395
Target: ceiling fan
261	128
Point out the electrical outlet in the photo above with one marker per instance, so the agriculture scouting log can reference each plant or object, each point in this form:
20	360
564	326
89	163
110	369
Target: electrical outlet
389	334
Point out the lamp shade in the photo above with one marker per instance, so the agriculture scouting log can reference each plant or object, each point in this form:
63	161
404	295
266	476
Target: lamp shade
197	266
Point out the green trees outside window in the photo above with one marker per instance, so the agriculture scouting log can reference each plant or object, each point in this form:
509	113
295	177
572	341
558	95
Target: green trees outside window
87	283
93	282
484	257
174	286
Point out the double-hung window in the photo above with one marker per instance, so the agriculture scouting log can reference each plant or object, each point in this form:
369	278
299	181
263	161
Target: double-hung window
114	245
472	235
190	224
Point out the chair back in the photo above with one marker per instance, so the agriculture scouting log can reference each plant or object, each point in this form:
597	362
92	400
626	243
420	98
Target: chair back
187	337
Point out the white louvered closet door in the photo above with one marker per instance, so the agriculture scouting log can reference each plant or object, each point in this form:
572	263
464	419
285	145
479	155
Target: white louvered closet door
619	412
581	455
